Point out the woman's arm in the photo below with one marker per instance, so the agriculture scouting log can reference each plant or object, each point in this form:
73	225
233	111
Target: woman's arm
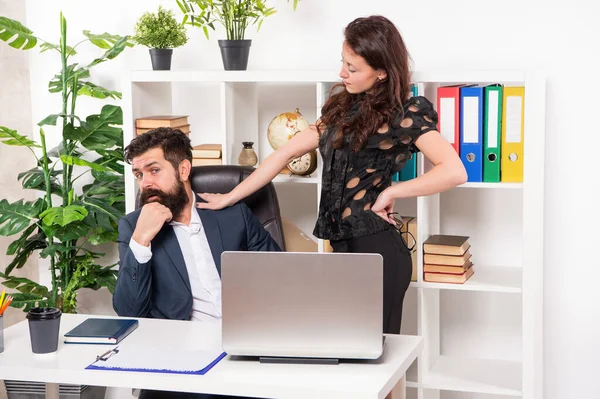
300	144
448	172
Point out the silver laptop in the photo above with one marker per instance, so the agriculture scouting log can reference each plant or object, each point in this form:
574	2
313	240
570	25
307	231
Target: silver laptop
302	304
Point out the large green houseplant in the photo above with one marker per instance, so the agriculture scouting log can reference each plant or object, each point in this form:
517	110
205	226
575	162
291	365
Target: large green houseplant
66	221
236	16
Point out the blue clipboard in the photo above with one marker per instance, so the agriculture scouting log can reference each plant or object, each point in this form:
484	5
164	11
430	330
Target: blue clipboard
106	361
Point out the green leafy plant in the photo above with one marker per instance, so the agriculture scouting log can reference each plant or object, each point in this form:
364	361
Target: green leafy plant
61	223
235	15
160	30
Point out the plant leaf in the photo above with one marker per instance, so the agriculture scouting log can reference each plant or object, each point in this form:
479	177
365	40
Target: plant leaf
102	177
17	216
31	294
112	159
101	212
98	132
49	46
50	120
51	250
71	160
29	301
71	231
104	189
104	40
59	149
33	243
103	237
14	138
26	286
55	85
92	90
100	276
62	216
25	39
20	242
112	52
34	179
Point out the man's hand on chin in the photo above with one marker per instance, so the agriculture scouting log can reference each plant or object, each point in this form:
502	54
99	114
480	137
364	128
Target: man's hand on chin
152	218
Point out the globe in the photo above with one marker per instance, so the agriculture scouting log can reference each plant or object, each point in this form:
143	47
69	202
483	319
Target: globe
284	126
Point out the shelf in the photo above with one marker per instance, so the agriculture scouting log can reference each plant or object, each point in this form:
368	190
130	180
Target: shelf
485	185
411	376
492	185
312	76
469	76
485	278
296	179
288	76
257	94
497	377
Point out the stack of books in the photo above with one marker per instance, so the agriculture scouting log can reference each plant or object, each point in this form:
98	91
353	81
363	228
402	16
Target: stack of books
207	154
144	125
447	259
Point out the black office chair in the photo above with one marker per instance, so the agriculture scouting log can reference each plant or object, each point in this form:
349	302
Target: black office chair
263	203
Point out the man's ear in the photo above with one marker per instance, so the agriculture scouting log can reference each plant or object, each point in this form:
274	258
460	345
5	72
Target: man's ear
185	169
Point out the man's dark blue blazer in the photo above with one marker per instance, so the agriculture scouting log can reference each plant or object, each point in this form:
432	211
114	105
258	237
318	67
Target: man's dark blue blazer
160	288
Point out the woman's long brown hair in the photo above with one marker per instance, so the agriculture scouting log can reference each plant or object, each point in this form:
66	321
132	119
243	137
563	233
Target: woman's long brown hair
378	41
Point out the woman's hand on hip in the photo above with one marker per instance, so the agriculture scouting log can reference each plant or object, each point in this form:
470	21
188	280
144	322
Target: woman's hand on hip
383	206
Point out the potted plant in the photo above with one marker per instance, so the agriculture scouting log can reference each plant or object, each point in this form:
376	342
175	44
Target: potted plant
69	218
235	16
161	33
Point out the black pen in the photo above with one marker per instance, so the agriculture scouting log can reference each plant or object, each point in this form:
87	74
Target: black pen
105	355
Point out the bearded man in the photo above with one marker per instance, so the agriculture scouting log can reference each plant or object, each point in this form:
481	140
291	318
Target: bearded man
169	250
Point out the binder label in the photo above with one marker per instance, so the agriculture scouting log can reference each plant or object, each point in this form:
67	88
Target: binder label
492	138
513	119
447	122
471	120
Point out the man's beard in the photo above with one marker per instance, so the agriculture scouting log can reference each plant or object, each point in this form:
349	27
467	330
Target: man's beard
176	200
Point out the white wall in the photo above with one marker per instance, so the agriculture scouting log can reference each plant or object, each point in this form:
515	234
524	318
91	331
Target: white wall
561	38
15	113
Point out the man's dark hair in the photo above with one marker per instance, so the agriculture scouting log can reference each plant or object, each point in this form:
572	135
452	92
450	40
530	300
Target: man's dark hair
175	144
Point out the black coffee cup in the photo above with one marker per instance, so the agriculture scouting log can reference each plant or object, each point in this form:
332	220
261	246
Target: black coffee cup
44	327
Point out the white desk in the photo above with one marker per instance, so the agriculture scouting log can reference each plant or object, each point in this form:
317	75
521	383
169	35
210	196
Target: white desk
364	380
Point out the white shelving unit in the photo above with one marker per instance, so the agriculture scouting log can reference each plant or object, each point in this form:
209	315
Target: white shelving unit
482	337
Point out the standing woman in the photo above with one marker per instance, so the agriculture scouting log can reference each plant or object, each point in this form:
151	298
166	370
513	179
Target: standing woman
366	133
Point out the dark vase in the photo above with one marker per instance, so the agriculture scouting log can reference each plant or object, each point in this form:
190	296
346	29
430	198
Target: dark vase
235	54
247	157
161	58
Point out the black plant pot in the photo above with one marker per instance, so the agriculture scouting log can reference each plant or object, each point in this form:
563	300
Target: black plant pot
161	58
235	54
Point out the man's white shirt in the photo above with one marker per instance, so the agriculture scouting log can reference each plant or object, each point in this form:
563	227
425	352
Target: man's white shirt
199	262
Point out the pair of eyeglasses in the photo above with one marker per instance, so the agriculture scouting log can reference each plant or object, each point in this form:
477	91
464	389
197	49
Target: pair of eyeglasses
397	219
409	240
408	237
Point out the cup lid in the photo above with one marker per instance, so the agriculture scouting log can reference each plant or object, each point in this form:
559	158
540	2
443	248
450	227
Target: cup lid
43	313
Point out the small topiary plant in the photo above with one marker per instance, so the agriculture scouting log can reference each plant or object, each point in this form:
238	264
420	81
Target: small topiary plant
160	30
